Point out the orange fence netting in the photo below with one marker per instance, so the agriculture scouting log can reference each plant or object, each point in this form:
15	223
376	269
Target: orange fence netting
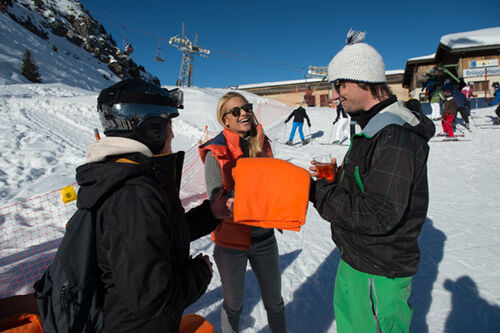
30	231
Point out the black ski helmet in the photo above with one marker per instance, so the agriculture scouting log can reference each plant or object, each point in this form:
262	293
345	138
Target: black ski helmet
138	110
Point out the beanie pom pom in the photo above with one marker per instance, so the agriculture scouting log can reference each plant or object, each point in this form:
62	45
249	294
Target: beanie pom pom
354	37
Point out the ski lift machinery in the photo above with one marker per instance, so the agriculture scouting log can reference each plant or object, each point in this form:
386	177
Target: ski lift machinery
159	52
127	46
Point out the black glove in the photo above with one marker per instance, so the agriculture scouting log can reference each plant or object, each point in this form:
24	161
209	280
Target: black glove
414	105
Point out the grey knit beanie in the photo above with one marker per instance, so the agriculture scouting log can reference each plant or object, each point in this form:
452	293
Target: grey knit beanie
357	62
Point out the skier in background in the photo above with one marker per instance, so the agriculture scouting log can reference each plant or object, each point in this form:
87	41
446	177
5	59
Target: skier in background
298	122
449	113
343	125
462	106
496	101
436	98
468	92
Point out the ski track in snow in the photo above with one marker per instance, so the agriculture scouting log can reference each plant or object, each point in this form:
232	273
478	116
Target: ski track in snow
47	129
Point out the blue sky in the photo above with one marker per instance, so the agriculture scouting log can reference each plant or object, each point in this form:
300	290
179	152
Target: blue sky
261	41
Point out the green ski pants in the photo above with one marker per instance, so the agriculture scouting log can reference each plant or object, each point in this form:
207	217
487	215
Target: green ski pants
371	303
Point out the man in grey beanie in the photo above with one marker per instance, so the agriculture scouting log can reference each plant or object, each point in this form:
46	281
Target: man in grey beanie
378	203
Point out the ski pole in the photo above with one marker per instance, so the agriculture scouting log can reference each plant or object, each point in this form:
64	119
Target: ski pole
458	129
330	136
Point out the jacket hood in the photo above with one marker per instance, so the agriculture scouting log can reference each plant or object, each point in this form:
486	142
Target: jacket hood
112	161
113	146
398	114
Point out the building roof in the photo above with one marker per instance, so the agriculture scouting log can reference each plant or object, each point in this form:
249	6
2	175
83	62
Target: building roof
302	81
472	39
456	43
423	58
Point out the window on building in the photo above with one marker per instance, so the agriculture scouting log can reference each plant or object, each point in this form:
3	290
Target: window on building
323	100
480	86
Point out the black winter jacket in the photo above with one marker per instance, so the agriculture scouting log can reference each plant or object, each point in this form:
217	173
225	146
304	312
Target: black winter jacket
379	204
298	116
143	237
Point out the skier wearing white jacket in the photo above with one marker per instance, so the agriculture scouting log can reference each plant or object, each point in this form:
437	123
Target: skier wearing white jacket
342	131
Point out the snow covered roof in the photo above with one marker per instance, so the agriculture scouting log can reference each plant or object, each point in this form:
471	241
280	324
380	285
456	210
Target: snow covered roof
427	57
475	38
394	72
281	83
277	83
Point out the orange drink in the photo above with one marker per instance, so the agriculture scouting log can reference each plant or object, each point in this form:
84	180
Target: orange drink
324	167
325	170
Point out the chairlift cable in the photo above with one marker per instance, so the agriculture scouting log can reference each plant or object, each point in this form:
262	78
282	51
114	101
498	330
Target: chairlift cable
108	18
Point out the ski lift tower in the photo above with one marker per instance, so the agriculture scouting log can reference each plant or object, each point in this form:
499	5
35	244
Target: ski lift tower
315	71
189	50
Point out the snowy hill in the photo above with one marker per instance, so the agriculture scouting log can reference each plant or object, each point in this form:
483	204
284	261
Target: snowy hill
66	44
47	128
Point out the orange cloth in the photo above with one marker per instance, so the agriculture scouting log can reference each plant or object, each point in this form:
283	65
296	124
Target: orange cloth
21	323
270	193
193	323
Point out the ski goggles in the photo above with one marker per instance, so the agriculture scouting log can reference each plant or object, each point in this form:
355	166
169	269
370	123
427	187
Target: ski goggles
236	111
177	97
124	116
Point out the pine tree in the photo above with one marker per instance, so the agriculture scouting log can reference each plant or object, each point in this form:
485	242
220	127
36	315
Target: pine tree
30	69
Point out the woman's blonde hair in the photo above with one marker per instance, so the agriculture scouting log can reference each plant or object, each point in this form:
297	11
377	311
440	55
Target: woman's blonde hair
255	148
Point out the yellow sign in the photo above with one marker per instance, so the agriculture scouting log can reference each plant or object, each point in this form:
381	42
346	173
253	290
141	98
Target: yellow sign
68	194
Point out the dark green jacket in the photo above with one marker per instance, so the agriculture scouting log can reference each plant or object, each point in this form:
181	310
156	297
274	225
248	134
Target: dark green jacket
379	204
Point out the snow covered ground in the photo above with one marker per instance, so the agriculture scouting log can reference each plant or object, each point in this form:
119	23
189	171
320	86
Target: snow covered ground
47	128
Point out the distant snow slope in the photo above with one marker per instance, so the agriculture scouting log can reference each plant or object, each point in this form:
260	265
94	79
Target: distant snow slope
71	65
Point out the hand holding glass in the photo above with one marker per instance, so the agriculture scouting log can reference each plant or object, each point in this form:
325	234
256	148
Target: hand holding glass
325	167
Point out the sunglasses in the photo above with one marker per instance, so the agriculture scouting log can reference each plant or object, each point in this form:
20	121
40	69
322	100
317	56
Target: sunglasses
236	111
337	85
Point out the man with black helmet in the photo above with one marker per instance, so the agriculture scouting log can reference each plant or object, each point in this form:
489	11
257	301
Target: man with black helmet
131	181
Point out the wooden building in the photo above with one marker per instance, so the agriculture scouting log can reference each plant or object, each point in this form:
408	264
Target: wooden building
295	92
472	56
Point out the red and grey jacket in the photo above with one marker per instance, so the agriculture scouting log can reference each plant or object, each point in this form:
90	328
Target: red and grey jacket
225	148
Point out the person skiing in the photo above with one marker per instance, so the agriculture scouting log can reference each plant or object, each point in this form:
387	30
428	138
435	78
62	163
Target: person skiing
449	112
462	106
298	122
237	244
436	98
343	126
378	204
130	180
496	101
468	90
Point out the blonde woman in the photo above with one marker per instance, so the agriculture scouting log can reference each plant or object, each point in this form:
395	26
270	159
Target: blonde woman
236	244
